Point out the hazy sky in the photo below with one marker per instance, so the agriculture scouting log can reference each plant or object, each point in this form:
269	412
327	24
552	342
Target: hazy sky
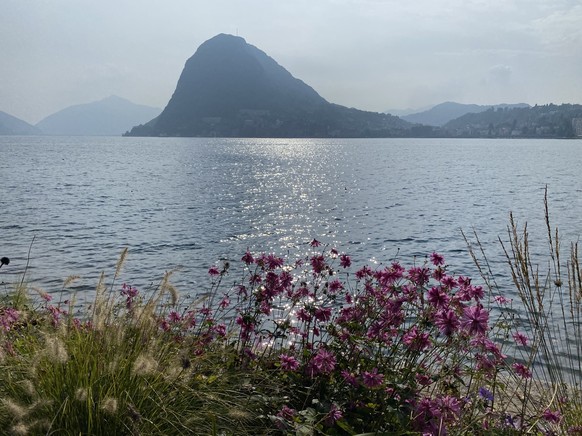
370	54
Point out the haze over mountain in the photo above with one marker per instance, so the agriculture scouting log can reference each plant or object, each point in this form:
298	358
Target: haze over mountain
111	116
231	88
10	125
442	113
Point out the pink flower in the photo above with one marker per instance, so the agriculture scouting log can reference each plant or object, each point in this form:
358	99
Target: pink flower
288	363
475	292
437	259
323	362
174	316
450	407
447	321
164	325
287	413
8	318
438	297
224	303
520	338
416	340
372	379
522	370
501	300
334	414
349	378
46	297
475	320
220	330
418	276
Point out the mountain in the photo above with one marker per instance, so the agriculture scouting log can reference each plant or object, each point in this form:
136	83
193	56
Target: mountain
547	121
10	125
231	88
442	113
402	112
108	117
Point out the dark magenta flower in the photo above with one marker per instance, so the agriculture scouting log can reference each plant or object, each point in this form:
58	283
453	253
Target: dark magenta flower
449	282
174	316
475	320
365	271
273	261
349	378
323	313
447	321
372	379
287	413
335	286
224	303
416	340
522	370
449	407
334	414
476	292
437	259
315	243
418	275
552	416
248	258
318	264
345	261
213	271
438	297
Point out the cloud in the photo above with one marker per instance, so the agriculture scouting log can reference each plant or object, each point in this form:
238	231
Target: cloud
499	75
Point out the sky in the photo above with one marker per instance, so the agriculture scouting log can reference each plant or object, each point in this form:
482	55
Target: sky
374	55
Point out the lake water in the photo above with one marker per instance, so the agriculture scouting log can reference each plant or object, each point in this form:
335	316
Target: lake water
76	202
194	202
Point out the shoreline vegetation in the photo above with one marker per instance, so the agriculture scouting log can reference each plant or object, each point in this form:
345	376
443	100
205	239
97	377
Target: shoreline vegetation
316	346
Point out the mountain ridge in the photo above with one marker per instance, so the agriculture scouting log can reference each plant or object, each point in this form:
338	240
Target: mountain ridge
110	116
11	125
442	113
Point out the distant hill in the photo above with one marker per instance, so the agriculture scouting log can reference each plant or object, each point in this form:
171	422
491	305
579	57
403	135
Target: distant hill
231	88
111	116
547	121
10	125
442	113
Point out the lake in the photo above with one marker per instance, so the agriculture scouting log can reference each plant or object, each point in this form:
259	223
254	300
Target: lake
75	202
190	203
193	202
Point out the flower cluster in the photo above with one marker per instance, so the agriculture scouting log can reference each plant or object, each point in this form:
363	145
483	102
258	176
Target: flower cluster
387	341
